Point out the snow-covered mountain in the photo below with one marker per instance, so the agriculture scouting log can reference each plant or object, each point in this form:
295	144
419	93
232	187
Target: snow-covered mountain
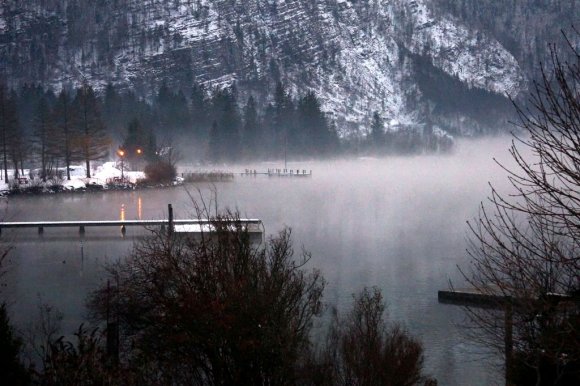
359	56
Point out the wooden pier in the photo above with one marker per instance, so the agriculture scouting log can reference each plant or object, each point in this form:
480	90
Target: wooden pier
278	173
185	226
476	299
494	299
470	298
179	226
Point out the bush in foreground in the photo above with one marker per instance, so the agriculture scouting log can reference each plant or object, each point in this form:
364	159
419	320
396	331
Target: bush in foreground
214	310
363	349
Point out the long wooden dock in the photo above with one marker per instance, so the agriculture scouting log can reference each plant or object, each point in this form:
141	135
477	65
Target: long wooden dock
179	226
494	299
473	298
470	297
278	173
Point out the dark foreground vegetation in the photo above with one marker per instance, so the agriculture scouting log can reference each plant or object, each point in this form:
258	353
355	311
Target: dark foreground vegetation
219	309
524	247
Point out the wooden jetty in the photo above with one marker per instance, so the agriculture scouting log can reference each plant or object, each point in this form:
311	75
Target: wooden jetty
470	298
494	299
278	173
222	176
179	226
183	226
473	298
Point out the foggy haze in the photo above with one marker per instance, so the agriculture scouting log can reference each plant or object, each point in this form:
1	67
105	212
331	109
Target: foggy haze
396	222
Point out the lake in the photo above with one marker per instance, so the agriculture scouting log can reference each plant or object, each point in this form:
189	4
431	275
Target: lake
394	222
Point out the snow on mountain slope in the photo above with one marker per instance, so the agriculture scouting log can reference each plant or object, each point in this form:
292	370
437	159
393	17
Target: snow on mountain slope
470	55
351	53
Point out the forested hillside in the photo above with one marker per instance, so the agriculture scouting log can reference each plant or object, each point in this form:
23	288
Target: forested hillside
421	66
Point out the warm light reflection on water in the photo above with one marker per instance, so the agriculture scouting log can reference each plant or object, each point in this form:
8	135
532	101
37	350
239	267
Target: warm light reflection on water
139	208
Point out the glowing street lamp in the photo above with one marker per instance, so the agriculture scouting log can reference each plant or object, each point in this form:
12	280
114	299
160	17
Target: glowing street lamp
121	154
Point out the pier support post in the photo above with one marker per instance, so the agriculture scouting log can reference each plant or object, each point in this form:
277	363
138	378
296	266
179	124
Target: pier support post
170	215
82	229
40	230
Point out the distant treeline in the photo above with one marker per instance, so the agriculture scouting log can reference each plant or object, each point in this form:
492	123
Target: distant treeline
41	129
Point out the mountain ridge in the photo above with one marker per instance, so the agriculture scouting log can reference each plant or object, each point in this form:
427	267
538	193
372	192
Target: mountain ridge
352	54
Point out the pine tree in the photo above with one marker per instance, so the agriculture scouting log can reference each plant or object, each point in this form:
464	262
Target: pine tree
180	112
139	144
225	132
94	142
17	139
377	130
316	136
215	146
42	135
113	116
229	125
252	130
172	109
283	118
199	111
269	133
29	97
64	133
9	140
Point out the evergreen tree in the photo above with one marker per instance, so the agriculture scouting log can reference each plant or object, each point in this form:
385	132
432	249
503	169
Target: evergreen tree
17	140
42	136
225	132
215	146
269	133
139	144
172	109
283	118
316	135
64	132
230	125
113	116
182	118
94	142
8	129
252	130
134	107
199	111
29	97
163	106
377	130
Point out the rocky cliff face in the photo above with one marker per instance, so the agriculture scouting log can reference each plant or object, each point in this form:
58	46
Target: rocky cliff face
356	55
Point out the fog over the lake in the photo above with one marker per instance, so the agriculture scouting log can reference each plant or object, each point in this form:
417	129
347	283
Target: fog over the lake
395	222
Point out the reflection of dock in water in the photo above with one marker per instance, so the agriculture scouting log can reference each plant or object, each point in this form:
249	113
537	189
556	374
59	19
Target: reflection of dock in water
278	173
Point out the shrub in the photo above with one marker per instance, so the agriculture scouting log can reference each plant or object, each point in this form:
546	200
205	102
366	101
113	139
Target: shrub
363	349
216	310
160	172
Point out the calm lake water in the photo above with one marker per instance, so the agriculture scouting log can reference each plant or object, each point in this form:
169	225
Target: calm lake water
396	222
